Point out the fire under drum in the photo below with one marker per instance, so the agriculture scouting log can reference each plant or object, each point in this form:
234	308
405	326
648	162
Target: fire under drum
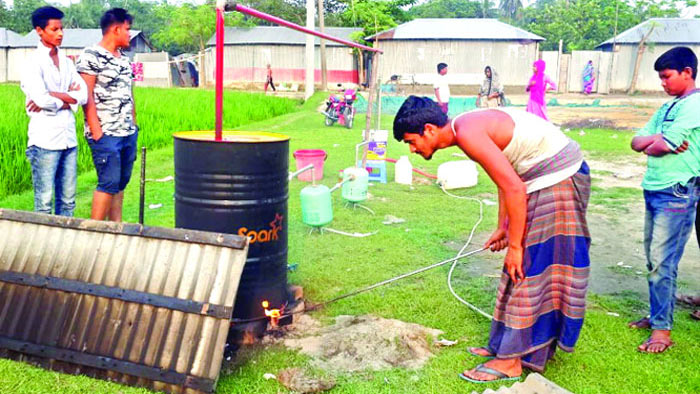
239	185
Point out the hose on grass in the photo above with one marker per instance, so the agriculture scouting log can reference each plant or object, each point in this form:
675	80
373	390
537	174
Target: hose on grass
469	240
364	289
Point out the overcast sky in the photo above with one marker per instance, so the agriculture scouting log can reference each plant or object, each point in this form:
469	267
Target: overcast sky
686	13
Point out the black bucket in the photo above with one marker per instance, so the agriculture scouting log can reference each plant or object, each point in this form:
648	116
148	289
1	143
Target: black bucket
239	186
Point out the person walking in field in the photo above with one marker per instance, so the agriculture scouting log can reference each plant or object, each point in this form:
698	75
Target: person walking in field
442	88
53	91
538	86
268	80
110	116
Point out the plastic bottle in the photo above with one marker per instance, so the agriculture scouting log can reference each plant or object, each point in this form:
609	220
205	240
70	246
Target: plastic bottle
403	171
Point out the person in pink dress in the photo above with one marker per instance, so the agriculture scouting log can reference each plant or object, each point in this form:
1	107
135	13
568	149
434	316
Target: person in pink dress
538	86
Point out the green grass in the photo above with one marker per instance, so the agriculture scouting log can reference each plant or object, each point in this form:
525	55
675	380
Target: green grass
605	144
159	112
605	360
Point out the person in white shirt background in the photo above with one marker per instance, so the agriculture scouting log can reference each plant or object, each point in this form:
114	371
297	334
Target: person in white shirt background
53	91
442	89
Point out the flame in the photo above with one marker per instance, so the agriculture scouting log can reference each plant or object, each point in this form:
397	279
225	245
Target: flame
273	314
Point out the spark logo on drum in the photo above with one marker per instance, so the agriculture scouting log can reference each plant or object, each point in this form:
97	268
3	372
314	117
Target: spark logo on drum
264	235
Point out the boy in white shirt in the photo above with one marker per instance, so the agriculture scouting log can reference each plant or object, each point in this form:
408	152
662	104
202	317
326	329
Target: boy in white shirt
53	91
442	88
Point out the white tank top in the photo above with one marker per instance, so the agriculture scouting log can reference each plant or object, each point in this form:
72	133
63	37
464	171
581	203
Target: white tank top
534	141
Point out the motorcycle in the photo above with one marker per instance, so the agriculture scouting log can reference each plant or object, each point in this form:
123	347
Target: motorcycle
341	110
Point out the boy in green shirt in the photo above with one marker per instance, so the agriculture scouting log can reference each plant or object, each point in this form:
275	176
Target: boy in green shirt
671	184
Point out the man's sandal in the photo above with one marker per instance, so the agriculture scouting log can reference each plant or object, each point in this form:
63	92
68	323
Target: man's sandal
667	343
501	377
472	351
695	315
640	324
688	299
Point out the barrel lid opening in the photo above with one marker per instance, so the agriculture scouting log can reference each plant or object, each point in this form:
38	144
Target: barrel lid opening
251	137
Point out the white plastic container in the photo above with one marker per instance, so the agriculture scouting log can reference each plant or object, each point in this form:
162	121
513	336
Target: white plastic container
403	171
457	174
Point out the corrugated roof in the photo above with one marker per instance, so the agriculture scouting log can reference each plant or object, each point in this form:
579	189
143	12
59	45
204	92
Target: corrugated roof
456	29
72	38
151	305
8	38
666	31
277	35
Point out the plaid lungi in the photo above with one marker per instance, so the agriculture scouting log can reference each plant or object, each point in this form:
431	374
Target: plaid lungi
545	310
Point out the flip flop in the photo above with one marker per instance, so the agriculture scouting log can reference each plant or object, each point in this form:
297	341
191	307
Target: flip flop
640	324
695	315
471	351
484	369
688	299
666	342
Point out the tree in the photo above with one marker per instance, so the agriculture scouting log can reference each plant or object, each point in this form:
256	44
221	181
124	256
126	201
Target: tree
189	27
85	14
145	18
583	24
295	10
374	16
4	14
451	9
20	16
510	9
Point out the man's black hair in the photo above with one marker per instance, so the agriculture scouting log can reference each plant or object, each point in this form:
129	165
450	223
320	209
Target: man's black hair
415	113
441	66
113	17
678	59
42	15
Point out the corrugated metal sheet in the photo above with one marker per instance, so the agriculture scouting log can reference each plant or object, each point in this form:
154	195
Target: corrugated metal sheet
416	60
456	29
247	63
72	38
8	38
277	35
666	31
116	301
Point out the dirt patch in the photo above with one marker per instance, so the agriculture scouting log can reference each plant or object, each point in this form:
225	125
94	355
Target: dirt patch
299	381
622	118
627	173
363	343
589	123
618	262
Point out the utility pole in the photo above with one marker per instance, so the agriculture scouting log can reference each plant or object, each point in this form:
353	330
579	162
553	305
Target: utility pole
322	27
310	61
638	60
612	57
561	50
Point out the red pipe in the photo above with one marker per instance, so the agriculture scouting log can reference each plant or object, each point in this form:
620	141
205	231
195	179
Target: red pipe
282	22
425	174
219	73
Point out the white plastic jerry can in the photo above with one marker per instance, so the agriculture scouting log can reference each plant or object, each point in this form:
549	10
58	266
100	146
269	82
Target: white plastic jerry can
403	171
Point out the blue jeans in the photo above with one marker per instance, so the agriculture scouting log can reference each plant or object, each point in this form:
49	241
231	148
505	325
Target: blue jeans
669	218
54	170
114	160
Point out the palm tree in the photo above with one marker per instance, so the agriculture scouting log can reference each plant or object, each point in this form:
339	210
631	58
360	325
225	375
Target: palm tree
510	8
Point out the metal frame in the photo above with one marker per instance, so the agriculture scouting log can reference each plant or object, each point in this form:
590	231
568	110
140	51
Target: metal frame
117	293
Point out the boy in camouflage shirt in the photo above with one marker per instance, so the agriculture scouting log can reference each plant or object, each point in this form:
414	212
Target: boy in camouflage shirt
110	124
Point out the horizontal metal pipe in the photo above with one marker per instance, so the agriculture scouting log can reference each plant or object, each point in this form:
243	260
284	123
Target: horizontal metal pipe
341	183
297	172
232	6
